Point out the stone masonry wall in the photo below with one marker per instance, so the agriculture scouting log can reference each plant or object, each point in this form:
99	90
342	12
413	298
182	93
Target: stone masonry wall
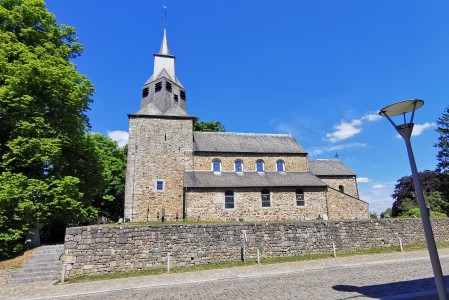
345	207
209	204
348	182
203	161
160	149
103	249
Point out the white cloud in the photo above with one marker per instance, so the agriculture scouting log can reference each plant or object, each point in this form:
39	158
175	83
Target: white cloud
378	186
345	130
371	117
379	199
419	128
321	150
363	179
121	137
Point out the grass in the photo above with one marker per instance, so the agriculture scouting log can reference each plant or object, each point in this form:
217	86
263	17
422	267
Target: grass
16	261
232	264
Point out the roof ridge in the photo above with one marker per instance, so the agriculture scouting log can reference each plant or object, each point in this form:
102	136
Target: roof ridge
245	133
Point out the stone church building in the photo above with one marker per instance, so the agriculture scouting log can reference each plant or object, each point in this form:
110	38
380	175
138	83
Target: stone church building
175	173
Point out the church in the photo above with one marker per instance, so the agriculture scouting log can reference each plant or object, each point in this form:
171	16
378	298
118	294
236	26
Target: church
175	173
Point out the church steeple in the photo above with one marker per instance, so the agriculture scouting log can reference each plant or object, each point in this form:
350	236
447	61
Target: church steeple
165	50
163	93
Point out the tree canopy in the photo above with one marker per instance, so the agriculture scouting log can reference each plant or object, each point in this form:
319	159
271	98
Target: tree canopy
207	126
405	195
45	157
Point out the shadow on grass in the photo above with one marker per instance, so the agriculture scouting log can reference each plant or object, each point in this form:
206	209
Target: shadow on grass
419	289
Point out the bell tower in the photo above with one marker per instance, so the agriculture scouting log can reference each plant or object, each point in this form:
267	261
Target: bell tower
160	146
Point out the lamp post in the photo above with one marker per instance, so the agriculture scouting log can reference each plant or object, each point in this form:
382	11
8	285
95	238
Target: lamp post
405	130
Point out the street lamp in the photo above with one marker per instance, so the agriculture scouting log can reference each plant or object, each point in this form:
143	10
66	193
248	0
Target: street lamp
405	130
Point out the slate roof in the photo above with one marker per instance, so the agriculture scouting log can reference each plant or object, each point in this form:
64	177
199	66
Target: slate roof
209	179
329	167
246	143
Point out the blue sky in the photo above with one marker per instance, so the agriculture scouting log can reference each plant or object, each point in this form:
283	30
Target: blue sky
320	70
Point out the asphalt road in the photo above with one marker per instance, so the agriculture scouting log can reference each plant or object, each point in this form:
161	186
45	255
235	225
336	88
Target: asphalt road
384	276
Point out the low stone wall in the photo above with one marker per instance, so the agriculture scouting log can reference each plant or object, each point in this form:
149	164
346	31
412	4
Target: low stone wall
103	249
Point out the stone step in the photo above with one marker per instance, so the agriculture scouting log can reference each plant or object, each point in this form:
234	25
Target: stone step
43	265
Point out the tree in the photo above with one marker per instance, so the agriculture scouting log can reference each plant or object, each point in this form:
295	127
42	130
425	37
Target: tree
207	126
443	142
404	191
386	214
373	215
443	153
110	200
416	213
45	160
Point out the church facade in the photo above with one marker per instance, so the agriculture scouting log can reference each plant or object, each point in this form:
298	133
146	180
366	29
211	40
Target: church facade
175	173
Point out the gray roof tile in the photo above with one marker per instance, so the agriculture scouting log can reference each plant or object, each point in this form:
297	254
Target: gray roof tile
209	179
246	143
329	167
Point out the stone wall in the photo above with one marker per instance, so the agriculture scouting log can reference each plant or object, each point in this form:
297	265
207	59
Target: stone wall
209	204
348	182
346	207
160	149
203	161
103	249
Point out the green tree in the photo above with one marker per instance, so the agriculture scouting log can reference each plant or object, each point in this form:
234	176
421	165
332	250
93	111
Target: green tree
207	126
405	195
416	213
386	214
443	153
45	160
373	215
110	200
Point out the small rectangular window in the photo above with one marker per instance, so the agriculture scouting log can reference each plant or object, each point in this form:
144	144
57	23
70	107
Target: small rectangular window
145	92
266	199
183	95
158	87
300	200
175	97
160	185
229	199
168	87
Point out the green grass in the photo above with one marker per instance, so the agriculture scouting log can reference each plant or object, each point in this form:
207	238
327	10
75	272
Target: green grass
232	264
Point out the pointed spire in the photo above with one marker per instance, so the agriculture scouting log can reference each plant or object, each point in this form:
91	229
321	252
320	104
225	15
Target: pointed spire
165	50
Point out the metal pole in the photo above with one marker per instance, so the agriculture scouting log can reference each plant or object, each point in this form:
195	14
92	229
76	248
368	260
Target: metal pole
433	253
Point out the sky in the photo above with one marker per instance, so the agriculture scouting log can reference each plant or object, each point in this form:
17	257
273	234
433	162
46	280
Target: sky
319	70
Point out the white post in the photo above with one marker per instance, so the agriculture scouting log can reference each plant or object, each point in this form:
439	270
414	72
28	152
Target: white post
258	257
168	262
400	244
333	247
63	273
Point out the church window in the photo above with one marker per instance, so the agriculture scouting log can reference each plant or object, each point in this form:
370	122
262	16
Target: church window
183	95
300	198
280	166
168	86
160	185
229	199
175	97
238	164
216	165
266	198
158	87
341	188
145	92
259	166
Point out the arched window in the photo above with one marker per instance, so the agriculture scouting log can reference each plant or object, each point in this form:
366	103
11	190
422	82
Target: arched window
238	164
341	188
229	199
266	202
280	166
300	198
260	166
216	165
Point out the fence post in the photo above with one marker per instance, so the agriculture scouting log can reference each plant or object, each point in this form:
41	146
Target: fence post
63	273
400	244
168	262
333	248
258	257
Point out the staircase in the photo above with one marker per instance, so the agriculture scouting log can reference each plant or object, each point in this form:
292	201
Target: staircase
43	265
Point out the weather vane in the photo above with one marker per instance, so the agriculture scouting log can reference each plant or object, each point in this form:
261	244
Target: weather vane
336	155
